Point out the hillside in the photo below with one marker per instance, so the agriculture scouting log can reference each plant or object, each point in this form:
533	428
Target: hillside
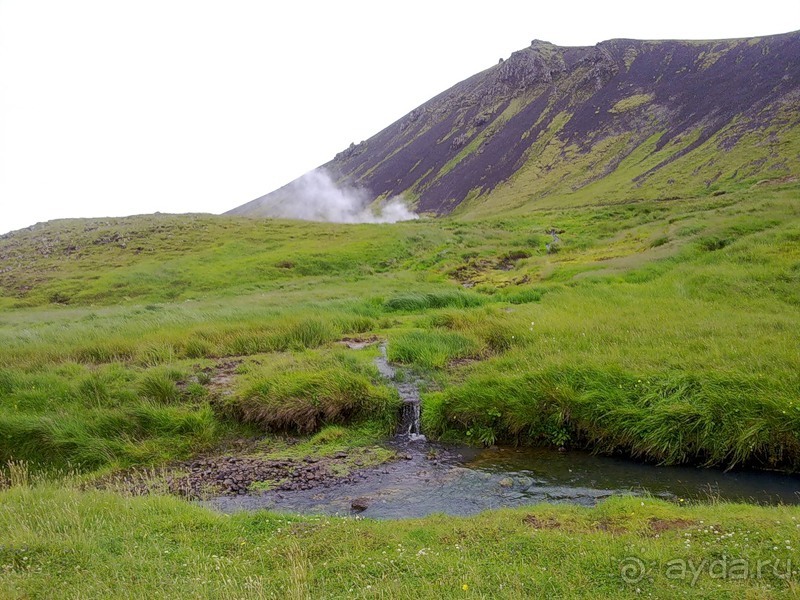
690	293
137	352
622	120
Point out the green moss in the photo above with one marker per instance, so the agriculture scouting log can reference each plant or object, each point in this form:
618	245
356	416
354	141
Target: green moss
631	102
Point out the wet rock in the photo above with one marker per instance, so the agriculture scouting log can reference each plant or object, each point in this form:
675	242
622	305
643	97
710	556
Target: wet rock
506	482
360	504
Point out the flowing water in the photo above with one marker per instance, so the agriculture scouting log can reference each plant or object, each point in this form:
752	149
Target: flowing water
433	478
409	428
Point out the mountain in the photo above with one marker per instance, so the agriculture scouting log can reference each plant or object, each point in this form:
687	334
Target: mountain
625	119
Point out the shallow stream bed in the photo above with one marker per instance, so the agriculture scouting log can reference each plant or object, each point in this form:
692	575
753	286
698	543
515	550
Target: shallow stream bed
430	478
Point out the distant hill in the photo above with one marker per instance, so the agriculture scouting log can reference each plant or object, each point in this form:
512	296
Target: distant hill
625	119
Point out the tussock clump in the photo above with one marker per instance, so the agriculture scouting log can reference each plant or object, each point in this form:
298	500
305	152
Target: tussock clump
198	348
431	349
521	296
8	381
305	401
415	302
87	417
94	390
298	334
106	352
140	433
308	333
159	386
155	419
354	323
153	355
304	393
713	243
496	332
671	419
247	342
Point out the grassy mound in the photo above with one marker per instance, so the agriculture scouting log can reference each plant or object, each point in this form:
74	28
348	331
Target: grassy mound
303	393
672	418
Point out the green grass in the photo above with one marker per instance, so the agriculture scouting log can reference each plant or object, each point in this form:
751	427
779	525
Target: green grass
305	392
62	543
431	349
410	302
703	291
115	415
664	330
631	102
671	418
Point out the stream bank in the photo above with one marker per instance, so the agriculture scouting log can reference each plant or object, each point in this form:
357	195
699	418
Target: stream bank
431	478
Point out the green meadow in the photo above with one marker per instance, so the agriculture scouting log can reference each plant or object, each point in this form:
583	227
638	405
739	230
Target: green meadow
666	331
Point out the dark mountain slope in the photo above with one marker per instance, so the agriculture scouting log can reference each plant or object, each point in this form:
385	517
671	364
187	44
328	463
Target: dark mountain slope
623	119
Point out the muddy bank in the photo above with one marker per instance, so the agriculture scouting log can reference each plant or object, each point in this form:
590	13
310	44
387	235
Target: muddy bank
238	475
241	473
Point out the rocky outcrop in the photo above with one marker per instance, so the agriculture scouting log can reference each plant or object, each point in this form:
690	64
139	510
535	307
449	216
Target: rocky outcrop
532	66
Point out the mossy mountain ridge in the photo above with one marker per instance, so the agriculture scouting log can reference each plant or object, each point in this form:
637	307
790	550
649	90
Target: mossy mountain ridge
625	119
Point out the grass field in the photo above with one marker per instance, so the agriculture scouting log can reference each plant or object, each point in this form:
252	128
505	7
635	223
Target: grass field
61	543
665	330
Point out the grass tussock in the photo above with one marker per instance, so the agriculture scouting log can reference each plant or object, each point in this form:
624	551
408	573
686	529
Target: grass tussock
431	349
159	387
312	391
496	331
416	302
671	418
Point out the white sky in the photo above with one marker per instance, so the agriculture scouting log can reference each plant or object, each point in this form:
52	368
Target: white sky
116	107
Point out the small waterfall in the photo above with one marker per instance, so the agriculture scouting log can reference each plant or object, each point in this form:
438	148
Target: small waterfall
409	420
409	427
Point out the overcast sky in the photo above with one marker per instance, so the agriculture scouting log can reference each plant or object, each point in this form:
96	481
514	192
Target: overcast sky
117	107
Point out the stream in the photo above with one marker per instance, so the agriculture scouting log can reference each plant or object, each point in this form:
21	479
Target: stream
434	478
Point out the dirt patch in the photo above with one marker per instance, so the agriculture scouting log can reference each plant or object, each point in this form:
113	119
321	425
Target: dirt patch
541	522
359	343
608	526
659	526
509	260
472	271
238	475
604	525
475	270
221	376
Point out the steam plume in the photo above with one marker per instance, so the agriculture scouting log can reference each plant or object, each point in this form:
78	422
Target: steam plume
317	197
